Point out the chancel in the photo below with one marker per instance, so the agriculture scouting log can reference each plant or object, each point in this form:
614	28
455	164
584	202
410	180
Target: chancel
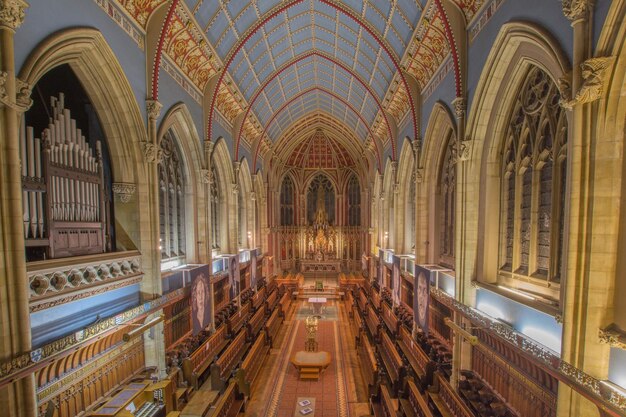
399	208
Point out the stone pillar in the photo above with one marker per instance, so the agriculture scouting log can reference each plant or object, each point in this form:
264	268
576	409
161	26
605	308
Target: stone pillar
421	206
18	398
151	286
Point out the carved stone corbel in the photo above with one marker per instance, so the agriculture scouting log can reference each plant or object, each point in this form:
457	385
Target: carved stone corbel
12	13
152	153
153	108
613	336
461	150
205	176
594	72
22	95
419	175
459	106
575	9
124	190
235	188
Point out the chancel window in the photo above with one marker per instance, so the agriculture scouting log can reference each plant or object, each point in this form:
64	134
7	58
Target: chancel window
171	200
354	202
287	202
533	178
215	209
446	219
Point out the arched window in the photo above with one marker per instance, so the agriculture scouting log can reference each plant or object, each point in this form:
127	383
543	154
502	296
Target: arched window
287	202
215	209
354	202
171	200
241	218
533	177
446	216
411	213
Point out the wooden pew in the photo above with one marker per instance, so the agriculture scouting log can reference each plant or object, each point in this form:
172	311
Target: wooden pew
271	302
373	323
285	303
272	325
223	367
195	365
422	366
230	404
392	362
390	320
252	364
238	319
375	299
362	300
414	405
258	299
255	324
357	323
369	366
386	407
349	303
271	287
447	400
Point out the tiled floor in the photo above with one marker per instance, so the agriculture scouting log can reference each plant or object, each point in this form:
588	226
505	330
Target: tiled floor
339	391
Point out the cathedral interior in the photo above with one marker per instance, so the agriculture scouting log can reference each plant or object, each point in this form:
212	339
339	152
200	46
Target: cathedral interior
323	208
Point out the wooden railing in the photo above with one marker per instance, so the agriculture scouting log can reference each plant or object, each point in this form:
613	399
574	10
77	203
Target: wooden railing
252	364
392	362
390	319
447	400
285	303
255	324
271	301
223	367
373	323
229	404
272	326
421	364
238	319
258	298
369	367
415	405
203	356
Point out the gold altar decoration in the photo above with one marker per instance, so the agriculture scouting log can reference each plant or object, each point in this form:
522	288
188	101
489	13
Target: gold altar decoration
311	322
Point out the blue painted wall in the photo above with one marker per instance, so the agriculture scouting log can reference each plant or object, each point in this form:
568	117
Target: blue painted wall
57	322
170	93
43	18
600	11
445	92
535	324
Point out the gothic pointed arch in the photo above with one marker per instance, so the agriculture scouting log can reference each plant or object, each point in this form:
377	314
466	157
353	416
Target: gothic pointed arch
223	204
405	210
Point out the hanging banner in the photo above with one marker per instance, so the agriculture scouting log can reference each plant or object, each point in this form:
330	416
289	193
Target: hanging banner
200	298
253	271
233	276
381	268
395	277
421	297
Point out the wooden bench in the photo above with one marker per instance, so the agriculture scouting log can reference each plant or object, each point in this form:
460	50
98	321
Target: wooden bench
349	303
258	299
252	364
271	302
373	323
255	324
195	365
369	366
272	326
422	366
390	320
236	321
362	301
201	403
230	404
386	406
415	405
356	324
375	299
447	400
285	303
393	363
223	367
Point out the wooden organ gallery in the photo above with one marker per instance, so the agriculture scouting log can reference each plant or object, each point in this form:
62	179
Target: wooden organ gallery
312	208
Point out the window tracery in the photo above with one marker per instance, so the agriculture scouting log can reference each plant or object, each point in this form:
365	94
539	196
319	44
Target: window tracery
215	209
448	205
287	202
171	200
354	202
533	178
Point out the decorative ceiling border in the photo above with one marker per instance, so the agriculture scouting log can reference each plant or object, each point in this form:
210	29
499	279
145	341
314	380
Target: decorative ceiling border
485	16
115	12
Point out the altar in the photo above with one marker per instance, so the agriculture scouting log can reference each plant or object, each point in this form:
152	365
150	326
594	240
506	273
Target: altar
311	265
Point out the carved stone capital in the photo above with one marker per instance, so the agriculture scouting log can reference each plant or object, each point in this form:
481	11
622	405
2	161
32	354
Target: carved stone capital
461	150
152	153
417	146
235	188
22	95
613	336
419	175
594	72
153	108
459	107
576	9
205	176
12	13
208	146
124	190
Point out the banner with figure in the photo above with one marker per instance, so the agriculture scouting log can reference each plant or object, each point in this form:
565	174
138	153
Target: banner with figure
421	297
200	298
381	268
233	276
253	276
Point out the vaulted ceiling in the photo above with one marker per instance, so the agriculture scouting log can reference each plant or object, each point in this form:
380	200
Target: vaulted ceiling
281	61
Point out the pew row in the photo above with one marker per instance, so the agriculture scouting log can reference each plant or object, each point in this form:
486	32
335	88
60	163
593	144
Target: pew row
271	302
237	320
373	323
447	400
255	324
415	404
252	364
392	361
422	366
386	406
272	326
285	303
258	299
390	320
223	367
195	365
357	324
375	299
369	366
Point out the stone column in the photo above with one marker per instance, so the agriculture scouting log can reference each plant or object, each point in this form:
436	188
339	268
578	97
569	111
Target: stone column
18	398
151	286
422	201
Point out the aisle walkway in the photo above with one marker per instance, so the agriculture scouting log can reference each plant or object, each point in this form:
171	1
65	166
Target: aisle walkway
339	392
